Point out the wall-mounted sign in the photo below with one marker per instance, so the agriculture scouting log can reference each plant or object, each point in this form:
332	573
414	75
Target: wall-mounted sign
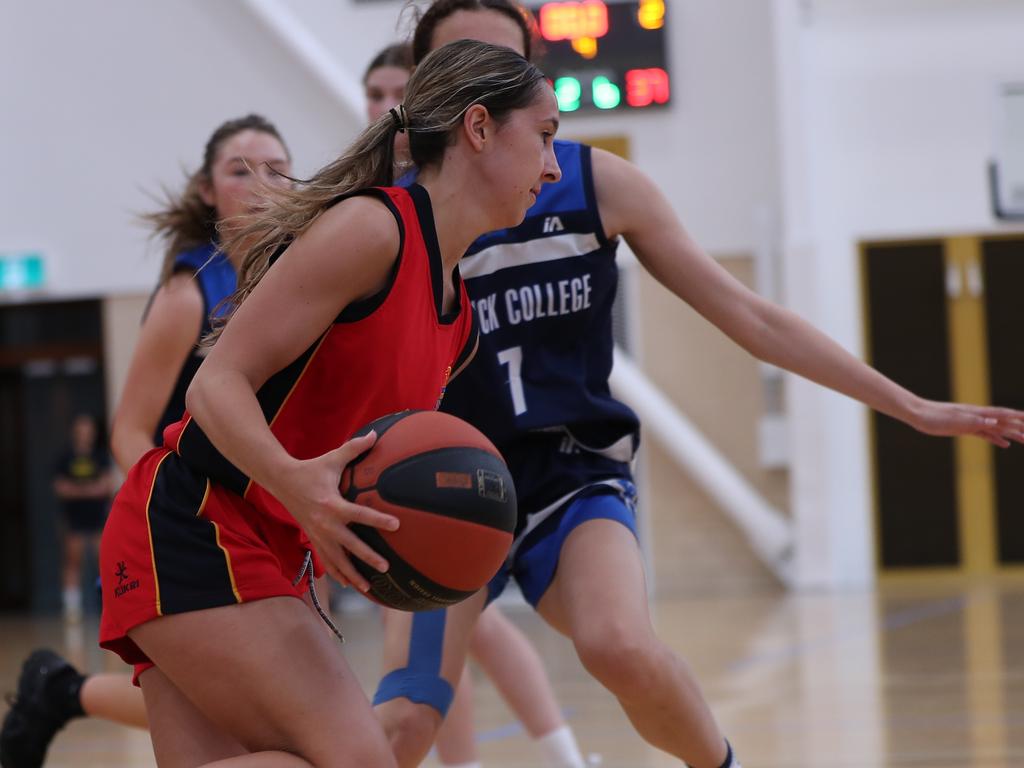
22	271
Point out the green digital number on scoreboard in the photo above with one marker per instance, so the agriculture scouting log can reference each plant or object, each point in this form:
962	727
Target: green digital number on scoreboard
605	56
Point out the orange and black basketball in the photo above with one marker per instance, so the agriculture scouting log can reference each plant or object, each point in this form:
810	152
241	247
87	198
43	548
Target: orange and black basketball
454	496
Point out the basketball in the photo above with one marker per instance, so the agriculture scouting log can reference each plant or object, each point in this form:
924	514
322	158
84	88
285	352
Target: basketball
454	497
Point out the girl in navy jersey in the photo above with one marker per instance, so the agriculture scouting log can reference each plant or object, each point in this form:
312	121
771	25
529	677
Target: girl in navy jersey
349	306
241	157
499	647
538	388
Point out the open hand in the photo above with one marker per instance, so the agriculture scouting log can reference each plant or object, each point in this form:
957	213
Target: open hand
316	503
999	426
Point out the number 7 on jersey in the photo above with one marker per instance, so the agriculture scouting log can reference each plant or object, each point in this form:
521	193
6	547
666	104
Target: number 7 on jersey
513	358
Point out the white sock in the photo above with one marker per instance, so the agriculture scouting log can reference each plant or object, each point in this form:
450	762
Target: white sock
73	600
559	749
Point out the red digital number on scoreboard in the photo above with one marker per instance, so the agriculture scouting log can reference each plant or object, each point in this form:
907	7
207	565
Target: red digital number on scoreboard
647	86
574	20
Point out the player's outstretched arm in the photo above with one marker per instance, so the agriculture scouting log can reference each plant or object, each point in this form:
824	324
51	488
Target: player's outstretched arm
633	207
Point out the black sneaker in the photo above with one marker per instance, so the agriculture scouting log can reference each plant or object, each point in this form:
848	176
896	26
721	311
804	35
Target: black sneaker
38	711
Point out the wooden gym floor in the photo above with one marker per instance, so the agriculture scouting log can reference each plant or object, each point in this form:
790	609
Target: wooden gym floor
927	676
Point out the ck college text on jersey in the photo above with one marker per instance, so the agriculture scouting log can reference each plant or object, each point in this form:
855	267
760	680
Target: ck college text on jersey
543	293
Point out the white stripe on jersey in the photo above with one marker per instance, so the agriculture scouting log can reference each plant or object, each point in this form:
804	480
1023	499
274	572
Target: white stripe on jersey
505	255
533	519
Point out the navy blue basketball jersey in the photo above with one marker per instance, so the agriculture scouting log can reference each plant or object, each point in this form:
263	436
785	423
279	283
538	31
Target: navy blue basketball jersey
217	280
543	294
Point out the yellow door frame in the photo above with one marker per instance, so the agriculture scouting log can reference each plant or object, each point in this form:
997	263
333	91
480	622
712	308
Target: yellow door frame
969	381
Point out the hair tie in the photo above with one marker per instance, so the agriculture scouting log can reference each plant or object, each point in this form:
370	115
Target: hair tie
400	118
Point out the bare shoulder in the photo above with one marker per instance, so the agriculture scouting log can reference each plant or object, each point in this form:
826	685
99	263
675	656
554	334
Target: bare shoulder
171	325
623	191
363	221
348	251
608	164
180	297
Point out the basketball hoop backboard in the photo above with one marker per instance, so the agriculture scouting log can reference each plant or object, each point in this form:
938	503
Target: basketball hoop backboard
1006	172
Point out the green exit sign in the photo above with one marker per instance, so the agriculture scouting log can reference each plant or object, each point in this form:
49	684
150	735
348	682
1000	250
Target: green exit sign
22	271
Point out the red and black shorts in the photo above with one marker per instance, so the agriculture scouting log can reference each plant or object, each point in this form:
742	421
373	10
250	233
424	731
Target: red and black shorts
176	542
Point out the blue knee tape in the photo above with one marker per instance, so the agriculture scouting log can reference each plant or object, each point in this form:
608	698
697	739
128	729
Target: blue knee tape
432	690
420	682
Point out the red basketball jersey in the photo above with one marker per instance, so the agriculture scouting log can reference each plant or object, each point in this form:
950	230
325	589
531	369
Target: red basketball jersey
387	353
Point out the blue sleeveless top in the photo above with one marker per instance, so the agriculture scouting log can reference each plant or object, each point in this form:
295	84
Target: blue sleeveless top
543	294
217	280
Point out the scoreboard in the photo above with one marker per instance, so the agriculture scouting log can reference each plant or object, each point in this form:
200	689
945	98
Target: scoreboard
605	56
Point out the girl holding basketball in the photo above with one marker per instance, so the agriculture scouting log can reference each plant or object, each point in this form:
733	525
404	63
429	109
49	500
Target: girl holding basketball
367	315
240	158
538	388
500	648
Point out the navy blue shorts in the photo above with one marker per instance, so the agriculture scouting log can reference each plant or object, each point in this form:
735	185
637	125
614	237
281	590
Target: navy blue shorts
534	556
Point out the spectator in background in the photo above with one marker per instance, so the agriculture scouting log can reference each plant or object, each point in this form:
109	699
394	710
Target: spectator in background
83	484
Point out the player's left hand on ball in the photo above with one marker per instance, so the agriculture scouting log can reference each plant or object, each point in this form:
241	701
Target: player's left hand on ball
313	497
